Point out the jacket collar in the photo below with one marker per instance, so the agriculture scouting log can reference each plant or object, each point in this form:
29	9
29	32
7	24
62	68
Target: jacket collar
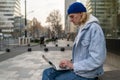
92	19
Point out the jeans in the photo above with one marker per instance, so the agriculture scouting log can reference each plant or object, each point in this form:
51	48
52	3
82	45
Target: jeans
52	74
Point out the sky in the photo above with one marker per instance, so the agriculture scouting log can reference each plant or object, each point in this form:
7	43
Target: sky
40	9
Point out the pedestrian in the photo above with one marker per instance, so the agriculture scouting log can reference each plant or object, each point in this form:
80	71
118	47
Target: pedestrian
89	49
42	40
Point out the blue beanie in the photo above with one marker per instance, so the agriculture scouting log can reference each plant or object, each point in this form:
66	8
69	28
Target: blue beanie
76	8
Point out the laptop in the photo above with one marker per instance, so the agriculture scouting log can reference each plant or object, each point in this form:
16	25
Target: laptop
53	65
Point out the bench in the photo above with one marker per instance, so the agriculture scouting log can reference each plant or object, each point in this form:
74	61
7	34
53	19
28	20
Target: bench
111	75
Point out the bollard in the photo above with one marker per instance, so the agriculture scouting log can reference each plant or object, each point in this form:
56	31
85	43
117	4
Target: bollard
7	50
62	49
56	45
29	49
68	45
46	49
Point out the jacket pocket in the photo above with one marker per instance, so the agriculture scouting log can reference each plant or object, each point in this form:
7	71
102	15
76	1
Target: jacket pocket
85	43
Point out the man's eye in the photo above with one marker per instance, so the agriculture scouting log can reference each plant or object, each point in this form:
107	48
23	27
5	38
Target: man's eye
71	16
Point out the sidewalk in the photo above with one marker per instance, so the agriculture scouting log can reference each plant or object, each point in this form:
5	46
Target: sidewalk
29	65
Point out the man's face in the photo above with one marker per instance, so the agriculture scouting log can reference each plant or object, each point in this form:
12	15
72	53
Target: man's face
75	18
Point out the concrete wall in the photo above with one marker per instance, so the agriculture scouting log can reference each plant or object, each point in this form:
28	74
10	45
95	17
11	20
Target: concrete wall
113	59
113	46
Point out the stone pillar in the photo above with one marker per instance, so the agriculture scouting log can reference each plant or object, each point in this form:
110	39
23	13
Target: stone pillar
24	40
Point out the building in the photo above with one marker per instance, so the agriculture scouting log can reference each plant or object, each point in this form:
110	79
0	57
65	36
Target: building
9	9
19	23
107	11
118	19
68	25
89	6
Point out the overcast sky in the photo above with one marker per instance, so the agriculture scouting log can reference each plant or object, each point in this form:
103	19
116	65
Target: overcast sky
40	9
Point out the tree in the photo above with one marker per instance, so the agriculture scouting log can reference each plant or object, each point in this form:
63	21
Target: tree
54	19
36	29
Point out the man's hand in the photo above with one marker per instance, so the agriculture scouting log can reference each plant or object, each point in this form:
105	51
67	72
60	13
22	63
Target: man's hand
66	64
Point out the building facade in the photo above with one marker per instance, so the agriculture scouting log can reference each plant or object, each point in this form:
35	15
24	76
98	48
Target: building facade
108	13
69	27
9	9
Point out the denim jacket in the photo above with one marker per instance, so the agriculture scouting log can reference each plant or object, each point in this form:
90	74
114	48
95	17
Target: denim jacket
89	50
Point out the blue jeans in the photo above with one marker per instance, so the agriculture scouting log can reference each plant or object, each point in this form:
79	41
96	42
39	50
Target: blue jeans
52	74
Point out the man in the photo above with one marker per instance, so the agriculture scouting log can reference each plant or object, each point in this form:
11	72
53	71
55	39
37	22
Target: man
89	49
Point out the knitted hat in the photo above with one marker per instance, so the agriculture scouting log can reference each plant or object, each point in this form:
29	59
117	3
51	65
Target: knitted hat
76	7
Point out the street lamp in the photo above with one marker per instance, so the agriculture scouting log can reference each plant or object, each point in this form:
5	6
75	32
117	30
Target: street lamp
25	19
